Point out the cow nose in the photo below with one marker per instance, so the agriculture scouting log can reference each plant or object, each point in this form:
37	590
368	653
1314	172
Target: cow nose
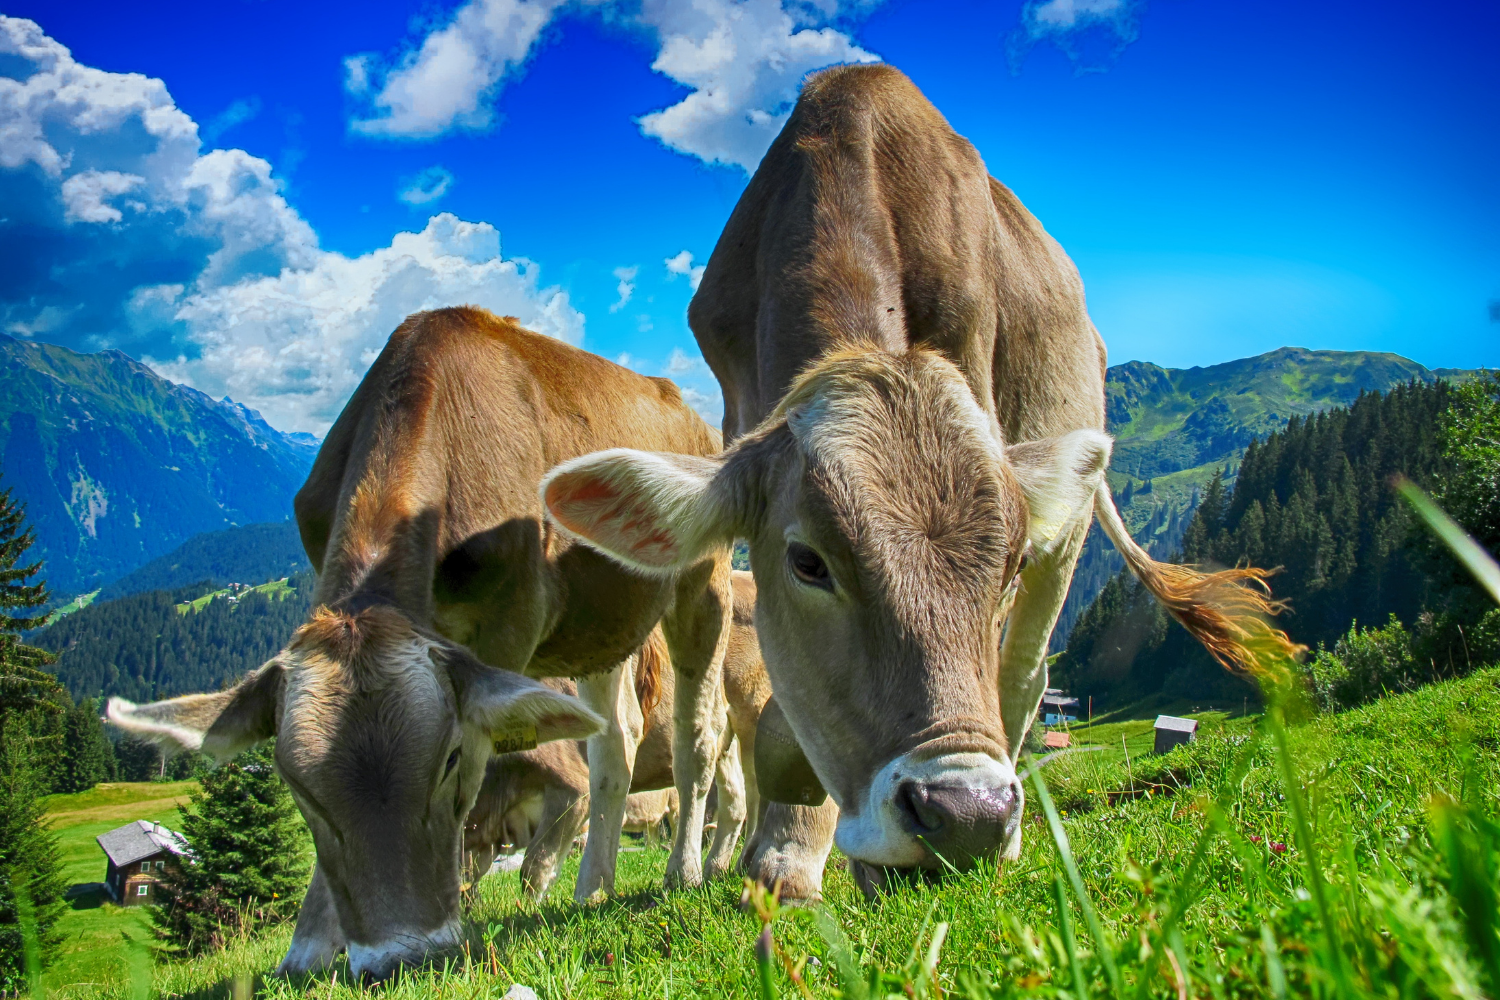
960	823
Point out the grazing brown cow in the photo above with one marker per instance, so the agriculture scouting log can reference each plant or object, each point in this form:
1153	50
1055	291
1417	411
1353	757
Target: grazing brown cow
914	398
538	799
436	565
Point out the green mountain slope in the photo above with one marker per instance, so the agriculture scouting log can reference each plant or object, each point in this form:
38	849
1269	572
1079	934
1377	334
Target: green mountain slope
117	465
250	553
1175	427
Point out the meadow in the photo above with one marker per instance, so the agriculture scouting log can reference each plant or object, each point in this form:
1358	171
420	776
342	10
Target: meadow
1345	855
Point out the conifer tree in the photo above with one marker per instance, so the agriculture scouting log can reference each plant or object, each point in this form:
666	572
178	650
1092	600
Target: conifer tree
30	863
248	855
87	757
23	684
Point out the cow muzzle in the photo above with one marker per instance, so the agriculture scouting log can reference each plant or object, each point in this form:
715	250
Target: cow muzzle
379	960
953	810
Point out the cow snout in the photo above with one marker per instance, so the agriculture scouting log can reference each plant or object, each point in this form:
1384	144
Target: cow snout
960	823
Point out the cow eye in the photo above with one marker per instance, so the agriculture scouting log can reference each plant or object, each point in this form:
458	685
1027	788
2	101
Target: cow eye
452	763
808	566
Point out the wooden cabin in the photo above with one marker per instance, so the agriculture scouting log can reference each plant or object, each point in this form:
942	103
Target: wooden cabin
1172	731
138	854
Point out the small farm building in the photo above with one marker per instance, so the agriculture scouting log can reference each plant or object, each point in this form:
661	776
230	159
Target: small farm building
1057	741
1058	708
138	854
1171	731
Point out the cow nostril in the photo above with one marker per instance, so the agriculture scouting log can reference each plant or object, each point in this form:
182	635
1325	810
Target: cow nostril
924	815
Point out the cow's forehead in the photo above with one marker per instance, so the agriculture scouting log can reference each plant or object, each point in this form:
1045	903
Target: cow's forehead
912	470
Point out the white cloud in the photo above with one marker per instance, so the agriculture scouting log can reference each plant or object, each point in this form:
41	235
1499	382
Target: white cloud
238	113
1092	33
294	346
680	363
451	78
426	187
709	405
85	195
743	60
682	263
625	287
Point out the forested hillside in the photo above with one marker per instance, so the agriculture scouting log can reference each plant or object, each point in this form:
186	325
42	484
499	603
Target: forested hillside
1175	428
144	646
1314	499
116	465
250	553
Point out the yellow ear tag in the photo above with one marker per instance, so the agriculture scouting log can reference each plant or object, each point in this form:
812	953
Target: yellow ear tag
516	740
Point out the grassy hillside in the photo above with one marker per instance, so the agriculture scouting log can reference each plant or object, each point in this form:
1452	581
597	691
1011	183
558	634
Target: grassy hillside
94	929
250	553
1260	899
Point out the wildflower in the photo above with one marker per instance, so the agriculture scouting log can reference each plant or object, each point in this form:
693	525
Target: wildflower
1277	847
1255	839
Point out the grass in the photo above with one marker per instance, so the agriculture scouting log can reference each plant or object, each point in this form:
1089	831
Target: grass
77	603
276	590
1312	860
95	951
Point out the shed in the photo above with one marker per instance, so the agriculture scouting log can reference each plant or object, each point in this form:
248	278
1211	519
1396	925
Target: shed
138	854
1056	705
1057	741
1172	731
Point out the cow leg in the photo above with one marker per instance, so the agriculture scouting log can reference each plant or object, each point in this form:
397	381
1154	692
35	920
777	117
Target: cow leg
697	633
611	761
318	938
729	817
564	812
1023	653
791	847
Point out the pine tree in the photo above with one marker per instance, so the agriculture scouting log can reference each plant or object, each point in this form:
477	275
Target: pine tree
87	758
29	856
248	855
23	684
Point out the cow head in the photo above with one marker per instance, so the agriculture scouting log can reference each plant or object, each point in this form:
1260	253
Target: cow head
382	733
887	525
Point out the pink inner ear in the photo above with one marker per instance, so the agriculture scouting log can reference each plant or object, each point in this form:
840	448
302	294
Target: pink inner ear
592	508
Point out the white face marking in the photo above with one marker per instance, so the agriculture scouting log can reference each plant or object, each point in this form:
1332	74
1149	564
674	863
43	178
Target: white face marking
877	835
380	958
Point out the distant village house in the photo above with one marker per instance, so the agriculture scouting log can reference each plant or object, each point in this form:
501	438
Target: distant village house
1058	708
138	855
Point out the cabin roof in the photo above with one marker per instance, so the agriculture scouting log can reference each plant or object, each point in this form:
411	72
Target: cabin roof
1175	724
141	839
1057	741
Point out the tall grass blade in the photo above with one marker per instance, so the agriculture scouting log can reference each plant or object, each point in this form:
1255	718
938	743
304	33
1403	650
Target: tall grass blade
1468	551
763	956
1102	945
1275	972
1070	944
1471	884
31	950
841	953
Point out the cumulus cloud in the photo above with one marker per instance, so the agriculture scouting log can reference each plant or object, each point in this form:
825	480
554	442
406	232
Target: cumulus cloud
681	263
139	239
294	346
450	79
680	363
426	187
108	179
743	60
1092	33
626	287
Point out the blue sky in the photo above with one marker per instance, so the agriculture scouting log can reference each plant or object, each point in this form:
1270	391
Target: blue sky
221	189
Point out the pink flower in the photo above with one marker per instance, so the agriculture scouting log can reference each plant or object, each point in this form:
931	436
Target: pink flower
1255	840
1277	847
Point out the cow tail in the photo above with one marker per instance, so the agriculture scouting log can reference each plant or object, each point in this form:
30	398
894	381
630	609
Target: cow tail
652	661
1228	611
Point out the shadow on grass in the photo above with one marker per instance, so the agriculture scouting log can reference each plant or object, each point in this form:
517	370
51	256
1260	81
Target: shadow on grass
88	895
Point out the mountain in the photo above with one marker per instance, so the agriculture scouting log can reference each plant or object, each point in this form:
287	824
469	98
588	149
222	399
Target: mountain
251	553
1175	427
117	465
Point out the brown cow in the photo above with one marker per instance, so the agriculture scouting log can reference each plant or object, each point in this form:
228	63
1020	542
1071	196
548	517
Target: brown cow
434	559
538	799
914	397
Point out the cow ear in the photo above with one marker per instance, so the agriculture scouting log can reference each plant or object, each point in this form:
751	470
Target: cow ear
1059	476
516	711
653	512
220	725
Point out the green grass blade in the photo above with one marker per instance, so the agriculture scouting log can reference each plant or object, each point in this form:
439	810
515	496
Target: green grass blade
1469	552
31	952
1070	944
1102	945
1471	884
1275	972
841	953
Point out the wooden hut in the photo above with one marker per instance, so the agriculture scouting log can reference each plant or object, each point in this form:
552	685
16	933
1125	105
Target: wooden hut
138	854
1172	731
1057	740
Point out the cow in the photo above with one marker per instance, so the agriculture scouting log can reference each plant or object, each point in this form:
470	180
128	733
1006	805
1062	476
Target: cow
914	422
440	582
538	799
